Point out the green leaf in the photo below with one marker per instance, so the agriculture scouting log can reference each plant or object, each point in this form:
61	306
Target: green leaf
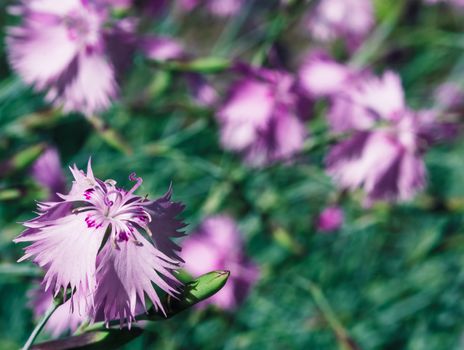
99	337
202	65
106	339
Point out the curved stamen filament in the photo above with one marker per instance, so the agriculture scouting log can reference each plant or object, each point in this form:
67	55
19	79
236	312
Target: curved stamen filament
133	177
107	200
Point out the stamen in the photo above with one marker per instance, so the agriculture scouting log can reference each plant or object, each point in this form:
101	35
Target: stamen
133	177
110	182
148	230
107	200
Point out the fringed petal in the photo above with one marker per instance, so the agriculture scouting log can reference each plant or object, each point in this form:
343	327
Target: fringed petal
92	88
67	250
125	275
165	224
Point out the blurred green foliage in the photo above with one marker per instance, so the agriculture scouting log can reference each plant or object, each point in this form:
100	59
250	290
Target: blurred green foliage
393	276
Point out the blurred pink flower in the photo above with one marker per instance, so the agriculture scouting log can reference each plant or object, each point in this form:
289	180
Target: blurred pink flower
222	8
330	219
62	49
450	95
123	4
225	8
110	276
217	245
383	154
263	117
188	5
162	48
203	93
321	76
46	170
350	20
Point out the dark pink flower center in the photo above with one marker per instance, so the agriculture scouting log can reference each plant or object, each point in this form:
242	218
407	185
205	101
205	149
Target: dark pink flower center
88	193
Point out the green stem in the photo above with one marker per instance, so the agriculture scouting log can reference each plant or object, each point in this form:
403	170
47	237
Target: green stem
40	325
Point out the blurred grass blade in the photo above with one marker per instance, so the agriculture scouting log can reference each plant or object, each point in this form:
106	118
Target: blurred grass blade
109	135
97	336
10	194
26	125
21	160
286	241
372	46
345	341
207	65
20	270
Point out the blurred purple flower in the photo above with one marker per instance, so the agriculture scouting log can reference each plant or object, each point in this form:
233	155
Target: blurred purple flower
110	276
450	96
321	76
383	153
222	8
330	219
162	48
350	20
46	170
203	93
225	8
217	245
61	48
123	4
188	5
263	117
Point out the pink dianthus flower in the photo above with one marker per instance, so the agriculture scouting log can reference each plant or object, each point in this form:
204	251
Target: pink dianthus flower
350	20
263	117
383	153
64	48
92	241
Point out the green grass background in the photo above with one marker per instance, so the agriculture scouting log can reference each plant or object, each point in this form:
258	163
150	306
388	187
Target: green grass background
393	275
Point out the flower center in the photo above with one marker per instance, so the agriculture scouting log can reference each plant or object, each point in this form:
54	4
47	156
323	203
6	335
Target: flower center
84	27
114	207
